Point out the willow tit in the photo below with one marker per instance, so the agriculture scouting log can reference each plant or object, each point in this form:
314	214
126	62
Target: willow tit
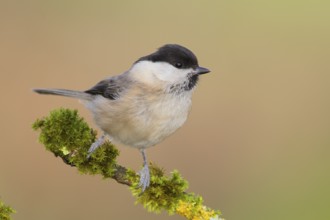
144	105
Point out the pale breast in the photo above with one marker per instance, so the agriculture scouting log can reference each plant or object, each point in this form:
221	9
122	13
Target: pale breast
142	121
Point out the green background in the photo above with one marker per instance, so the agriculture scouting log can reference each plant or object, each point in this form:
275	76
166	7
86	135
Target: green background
256	145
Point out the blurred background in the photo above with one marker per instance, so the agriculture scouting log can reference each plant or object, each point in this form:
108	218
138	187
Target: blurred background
256	145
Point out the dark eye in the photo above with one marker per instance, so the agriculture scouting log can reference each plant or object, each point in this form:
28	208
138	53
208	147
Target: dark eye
178	65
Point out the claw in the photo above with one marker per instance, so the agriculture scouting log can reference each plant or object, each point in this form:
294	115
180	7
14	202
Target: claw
144	173
95	145
144	177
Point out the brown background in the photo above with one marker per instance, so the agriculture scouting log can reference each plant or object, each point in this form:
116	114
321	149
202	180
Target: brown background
256	145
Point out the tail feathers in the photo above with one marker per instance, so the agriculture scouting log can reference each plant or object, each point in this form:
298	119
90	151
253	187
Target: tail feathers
64	92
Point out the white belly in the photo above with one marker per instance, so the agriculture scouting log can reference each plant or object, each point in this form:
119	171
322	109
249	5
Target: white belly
138	123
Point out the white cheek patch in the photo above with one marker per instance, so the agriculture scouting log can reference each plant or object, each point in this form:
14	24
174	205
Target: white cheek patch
158	72
148	71
168	73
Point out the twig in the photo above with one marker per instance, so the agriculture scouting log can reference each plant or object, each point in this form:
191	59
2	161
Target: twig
68	136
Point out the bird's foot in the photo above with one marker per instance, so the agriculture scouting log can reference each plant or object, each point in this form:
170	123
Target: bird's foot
144	177
95	145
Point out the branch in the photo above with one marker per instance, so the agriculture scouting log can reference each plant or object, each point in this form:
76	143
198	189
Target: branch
69	137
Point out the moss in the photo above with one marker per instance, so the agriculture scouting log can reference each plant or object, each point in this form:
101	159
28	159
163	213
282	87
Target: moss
164	192
68	136
169	193
64	132
5	211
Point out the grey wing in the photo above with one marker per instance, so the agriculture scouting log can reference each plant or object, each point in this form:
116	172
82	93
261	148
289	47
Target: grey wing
110	88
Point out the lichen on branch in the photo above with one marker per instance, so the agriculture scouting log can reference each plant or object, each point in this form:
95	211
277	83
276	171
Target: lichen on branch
69	137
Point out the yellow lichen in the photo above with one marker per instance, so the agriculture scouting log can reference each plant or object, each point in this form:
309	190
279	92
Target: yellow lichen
194	211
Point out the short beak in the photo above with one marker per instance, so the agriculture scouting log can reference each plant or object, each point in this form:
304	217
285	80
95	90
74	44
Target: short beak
201	70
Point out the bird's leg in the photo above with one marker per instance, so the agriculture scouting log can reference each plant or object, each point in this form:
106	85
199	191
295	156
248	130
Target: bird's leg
96	144
144	173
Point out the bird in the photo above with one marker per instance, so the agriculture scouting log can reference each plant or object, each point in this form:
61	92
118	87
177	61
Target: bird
145	104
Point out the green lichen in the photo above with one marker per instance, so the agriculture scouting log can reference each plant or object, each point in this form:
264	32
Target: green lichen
5	211
68	136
